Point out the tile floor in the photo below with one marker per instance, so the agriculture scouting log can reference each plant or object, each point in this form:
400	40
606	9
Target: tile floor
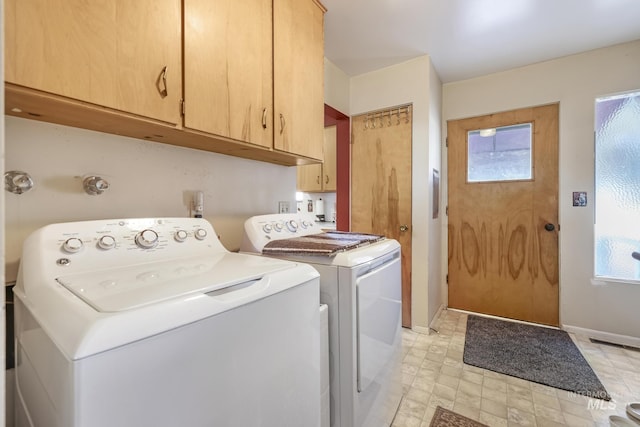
433	374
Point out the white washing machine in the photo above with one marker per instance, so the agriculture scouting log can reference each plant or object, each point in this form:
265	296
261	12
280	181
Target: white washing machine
360	281
151	322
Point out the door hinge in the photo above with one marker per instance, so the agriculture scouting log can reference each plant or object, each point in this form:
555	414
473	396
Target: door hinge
446	210
182	107
447	278
446	141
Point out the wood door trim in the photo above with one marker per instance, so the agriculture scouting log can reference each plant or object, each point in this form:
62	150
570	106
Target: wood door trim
343	165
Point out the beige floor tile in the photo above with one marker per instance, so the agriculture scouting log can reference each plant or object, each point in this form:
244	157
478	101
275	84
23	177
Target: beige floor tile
423	396
515	416
495	395
404	420
494	384
433	374
444	392
467	411
448	380
548	413
494	408
550	401
412	408
491	420
472	377
521	404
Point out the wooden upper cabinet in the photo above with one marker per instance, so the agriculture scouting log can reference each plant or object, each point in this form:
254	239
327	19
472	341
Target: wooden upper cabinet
298	66
228	69
321	177
329	167
108	53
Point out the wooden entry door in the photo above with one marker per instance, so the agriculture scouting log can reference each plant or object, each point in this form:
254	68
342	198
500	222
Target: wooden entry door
503	234
381	184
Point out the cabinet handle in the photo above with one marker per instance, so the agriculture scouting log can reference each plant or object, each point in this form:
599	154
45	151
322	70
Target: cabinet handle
162	78
326	179
317	179
283	123
264	118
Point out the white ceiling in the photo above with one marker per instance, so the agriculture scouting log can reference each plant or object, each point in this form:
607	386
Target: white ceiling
470	38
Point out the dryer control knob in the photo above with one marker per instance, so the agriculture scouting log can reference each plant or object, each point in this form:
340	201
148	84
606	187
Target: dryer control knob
72	245
147	239
180	236
201	234
107	242
292	225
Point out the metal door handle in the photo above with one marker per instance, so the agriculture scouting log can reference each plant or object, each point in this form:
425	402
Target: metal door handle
326	180
283	123
635	255
549	227
317	179
264	118
404	228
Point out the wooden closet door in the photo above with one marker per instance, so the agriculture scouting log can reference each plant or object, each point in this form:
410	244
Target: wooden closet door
381	186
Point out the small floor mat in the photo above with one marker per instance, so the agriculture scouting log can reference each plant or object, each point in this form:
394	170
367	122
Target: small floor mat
534	353
445	418
327	244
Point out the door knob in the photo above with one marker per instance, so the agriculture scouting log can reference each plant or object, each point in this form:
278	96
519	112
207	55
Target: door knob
549	227
635	255
404	228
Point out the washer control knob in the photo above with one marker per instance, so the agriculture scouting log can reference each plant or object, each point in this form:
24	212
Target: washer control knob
277	226
180	236
292	225
201	234
72	245
304	223
107	242
267	228
147	239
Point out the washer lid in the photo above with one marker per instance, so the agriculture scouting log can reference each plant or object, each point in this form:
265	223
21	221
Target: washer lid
136	286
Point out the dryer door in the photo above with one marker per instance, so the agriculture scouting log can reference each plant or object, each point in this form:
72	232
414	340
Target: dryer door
379	314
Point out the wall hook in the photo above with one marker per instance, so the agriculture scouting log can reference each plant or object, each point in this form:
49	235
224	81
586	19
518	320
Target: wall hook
95	185
17	182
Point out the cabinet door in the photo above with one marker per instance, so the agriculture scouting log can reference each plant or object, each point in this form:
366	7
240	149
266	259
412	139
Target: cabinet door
329	165
310	178
228	69
298	77
108	53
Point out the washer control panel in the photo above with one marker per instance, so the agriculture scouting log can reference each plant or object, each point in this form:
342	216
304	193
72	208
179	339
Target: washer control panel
259	230
124	240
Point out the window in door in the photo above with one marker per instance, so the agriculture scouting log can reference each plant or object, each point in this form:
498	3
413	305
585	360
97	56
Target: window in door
617	187
499	154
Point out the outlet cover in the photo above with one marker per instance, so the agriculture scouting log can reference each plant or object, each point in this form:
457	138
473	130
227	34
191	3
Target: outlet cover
283	207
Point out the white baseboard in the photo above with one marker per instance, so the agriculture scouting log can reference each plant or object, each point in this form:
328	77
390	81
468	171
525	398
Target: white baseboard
432	325
420	329
604	336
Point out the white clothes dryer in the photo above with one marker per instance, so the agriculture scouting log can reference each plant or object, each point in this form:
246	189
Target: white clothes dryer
151	322
360	281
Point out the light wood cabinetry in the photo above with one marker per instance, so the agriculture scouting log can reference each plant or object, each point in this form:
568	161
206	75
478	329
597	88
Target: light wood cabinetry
252	83
228	80
321	177
298	66
109	53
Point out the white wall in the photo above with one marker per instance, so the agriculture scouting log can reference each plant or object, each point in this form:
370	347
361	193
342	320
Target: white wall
147	180
410	83
336	87
575	81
